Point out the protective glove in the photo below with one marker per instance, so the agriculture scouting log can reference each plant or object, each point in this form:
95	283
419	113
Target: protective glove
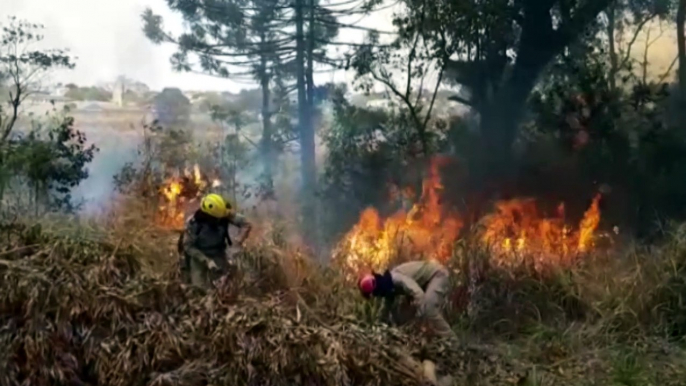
212	265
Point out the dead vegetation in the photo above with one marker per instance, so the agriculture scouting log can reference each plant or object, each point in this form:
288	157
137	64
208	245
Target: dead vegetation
83	312
84	307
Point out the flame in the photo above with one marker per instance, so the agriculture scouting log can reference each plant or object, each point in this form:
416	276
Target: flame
589	224
427	230
517	231
172	191
178	192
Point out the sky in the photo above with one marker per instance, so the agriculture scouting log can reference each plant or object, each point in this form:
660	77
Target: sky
107	39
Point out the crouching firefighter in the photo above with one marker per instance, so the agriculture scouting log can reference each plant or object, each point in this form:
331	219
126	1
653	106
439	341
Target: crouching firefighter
426	282
205	240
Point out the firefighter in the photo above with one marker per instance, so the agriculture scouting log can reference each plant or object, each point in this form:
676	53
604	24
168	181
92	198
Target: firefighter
206	238
426	282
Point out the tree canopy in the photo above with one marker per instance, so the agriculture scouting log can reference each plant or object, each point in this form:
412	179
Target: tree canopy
172	108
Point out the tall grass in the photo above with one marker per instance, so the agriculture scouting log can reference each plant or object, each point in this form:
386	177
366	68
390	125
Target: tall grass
612	318
627	292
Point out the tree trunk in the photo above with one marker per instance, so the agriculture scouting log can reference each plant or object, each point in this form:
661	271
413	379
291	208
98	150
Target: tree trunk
307	152
310	58
501	118
681	43
611	29
267	132
538	45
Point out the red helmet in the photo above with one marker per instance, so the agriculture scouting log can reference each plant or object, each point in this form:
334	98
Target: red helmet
367	284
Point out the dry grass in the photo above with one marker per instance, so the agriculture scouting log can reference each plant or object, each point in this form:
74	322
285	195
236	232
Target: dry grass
615	318
81	310
81	305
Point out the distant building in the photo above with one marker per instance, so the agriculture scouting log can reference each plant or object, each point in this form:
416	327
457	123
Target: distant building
123	85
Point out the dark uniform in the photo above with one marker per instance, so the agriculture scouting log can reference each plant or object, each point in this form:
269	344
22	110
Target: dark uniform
206	240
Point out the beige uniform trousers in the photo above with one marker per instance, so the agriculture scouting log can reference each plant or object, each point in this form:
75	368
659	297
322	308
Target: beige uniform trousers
433	296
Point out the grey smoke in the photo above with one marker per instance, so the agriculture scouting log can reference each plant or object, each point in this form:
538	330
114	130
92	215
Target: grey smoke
116	149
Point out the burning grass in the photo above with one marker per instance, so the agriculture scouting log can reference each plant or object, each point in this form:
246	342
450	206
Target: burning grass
427	230
77	311
84	306
516	232
180	192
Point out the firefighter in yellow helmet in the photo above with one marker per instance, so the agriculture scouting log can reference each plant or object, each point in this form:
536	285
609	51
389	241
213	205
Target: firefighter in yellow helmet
206	238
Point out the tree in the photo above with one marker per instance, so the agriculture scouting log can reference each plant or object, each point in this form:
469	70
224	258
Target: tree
497	50
172	108
681	44
628	18
53	159
307	146
234	159
404	75
23	67
227	36
255	39
49	160
208	100
584	132
251	99
366	150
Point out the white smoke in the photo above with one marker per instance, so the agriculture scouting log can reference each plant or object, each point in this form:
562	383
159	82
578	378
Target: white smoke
117	146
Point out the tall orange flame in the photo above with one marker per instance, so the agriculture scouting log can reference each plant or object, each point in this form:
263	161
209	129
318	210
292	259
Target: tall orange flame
514	232
427	230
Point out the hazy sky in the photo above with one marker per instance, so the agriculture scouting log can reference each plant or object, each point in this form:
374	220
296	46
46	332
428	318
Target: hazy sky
107	38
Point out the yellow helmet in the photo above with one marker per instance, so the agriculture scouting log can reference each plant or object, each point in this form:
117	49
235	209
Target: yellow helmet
215	206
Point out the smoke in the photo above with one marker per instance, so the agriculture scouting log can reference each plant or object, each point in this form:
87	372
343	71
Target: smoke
117	147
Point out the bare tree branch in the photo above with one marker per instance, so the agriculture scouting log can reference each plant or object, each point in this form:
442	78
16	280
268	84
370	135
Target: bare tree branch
634	37
666	74
433	97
